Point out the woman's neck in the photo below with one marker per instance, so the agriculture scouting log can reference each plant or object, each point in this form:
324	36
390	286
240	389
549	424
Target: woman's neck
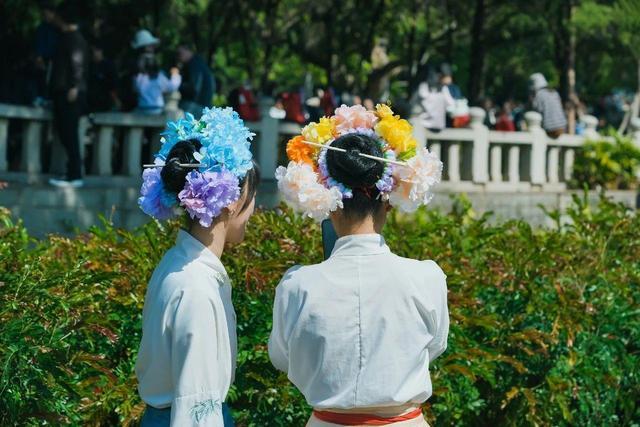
212	238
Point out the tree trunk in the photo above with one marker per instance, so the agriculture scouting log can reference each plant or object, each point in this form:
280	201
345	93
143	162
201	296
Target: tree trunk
476	63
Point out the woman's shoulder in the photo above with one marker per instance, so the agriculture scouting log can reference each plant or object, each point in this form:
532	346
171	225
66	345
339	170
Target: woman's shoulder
427	266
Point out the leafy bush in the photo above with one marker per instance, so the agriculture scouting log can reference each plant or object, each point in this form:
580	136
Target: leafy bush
545	323
612	165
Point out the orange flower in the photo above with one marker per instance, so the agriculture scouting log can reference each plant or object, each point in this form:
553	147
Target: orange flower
298	151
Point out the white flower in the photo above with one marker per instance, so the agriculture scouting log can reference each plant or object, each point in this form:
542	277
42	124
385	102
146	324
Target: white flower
299	185
422	172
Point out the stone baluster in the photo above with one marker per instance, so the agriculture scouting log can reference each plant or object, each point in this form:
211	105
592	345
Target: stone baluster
514	164
453	162
480	154
538	148
133	152
268	141
569	158
102	151
553	165
4	135
496	163
31	147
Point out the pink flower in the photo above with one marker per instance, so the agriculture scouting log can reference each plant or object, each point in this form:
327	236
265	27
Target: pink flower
415	181
356	117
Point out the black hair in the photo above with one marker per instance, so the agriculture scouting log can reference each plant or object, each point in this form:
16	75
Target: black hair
174	176
358	173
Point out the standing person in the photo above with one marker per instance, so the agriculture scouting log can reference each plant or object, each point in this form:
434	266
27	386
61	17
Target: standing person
69	87
143	44
102	92
198	85
505	122
434	100
151	84
547	102
356	333
187	356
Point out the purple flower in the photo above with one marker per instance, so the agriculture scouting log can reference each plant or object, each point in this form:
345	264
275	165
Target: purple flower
154	200
207	193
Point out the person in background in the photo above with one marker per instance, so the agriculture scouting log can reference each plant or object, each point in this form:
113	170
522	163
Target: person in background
505	121
368	104
69	88
198	85
434	100
490	110
46	40
151	84
446	80
143	44
547	102
102	93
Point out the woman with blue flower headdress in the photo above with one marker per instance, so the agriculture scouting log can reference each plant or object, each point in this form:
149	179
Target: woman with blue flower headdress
187	356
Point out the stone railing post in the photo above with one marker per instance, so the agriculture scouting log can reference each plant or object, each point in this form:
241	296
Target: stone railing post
4	135
102	151
419	131
31	147
591	124
538	147
480	156
268	142
133	152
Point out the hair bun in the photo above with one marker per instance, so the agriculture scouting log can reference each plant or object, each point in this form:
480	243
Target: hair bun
173	175
350	168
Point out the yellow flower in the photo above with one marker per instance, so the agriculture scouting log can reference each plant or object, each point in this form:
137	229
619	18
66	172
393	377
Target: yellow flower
397	132
320	132
383	110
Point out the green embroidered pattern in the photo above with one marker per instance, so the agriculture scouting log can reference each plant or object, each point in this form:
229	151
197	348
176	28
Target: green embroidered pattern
202	410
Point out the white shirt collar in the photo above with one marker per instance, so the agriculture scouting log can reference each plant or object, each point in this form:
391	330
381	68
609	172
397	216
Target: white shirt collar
196	250
360	244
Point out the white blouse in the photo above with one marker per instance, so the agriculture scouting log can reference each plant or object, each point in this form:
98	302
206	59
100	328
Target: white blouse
360	329
188	351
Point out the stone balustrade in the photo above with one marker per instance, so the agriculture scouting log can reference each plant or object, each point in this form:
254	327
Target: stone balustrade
475	158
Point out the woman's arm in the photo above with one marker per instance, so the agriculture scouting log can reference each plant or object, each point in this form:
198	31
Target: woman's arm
197	356
278	348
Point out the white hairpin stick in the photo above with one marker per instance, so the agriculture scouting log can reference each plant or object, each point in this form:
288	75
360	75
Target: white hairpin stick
183	165
368	156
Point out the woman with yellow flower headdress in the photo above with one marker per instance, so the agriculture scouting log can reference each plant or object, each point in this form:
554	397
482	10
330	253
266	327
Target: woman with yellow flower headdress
357	332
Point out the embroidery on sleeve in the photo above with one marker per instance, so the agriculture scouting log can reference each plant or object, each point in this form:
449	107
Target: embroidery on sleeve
202	410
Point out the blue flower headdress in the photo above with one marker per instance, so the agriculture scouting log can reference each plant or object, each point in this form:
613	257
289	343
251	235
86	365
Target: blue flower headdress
225	158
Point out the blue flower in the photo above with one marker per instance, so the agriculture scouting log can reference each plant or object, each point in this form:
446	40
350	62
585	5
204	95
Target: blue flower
154	199
226	141
185	128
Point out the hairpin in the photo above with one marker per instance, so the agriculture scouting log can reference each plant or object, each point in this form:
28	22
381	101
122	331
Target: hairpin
368	156
182	165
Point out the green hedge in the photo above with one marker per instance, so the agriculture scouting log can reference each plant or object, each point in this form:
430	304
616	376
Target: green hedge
545	323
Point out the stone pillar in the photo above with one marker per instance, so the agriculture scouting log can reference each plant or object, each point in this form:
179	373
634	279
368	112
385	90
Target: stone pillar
31	147
133	152
514	164
480	156
496	163
591	123
553	165
453	166
102	151
538	148
419	131
4	133
268	141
